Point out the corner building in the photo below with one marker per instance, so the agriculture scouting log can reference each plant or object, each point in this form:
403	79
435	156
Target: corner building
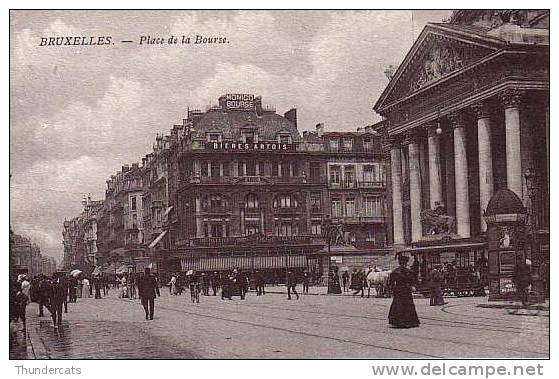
250	191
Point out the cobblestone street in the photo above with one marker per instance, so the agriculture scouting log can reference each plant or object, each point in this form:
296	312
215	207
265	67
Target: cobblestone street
270	326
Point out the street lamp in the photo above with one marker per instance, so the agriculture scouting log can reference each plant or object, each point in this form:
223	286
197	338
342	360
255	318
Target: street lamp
327	228
531	186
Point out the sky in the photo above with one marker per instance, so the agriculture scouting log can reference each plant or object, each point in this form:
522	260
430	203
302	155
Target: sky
78	113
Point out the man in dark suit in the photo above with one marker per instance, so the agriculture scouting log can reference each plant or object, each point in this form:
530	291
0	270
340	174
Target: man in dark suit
148	290
58	292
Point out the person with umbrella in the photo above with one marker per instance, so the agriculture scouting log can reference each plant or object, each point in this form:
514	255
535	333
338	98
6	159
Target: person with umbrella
148	289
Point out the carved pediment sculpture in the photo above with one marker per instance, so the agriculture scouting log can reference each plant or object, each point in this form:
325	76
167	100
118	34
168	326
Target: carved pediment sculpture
437	222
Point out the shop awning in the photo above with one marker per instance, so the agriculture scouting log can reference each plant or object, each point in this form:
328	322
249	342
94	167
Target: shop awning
156	241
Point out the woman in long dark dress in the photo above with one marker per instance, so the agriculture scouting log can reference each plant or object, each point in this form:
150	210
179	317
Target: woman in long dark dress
402	311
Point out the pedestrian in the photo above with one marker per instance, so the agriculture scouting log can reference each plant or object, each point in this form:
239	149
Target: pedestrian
97	284
306	279
80	288
244	282
357	283
402	311
148	289
435	283
43	294
18	304
522	280
65	285
194	285
345	280
72	289
291	284
215	282
86	288
26	287
543	273
173	285
226	287
58	293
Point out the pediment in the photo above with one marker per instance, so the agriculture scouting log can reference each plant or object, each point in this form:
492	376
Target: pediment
435	56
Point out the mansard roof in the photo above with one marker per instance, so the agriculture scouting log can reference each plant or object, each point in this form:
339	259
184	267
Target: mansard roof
231	123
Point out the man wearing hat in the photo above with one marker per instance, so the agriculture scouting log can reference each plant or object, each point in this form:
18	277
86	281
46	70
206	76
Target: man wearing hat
147	290
58	293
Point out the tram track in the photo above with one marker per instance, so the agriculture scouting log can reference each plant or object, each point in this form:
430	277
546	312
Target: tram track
462	324
371	331
319	324
282	329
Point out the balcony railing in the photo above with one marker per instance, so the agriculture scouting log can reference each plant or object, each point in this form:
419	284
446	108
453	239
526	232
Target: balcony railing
359	219
250	180
253	240
356	184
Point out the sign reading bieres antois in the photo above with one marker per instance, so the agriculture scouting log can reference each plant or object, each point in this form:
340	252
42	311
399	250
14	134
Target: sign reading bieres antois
242	146
239	101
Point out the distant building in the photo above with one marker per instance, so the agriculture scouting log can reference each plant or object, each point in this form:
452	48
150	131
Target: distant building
26	257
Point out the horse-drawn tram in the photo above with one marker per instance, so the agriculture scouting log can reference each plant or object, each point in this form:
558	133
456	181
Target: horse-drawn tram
462	265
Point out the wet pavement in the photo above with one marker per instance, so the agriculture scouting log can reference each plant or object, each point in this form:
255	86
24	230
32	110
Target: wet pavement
271	326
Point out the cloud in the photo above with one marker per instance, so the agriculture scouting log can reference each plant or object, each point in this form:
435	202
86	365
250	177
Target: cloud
77	114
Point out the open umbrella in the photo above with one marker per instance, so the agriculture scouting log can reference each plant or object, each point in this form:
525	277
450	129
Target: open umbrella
75	273
190	272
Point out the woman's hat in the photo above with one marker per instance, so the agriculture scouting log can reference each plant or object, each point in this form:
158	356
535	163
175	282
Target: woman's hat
403	258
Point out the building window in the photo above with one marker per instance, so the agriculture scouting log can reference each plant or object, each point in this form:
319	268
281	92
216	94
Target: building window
275	168
349	176
214	202
215	169
369	174
251	168
216	230
372	206
286	229
249	137
315	172
336	208
285	138
251	201
295	169
285	201
252	229
134	221
316	204
350	207
368	145
348	144
316	228
213	137
334	144
133	203
204	169
335	175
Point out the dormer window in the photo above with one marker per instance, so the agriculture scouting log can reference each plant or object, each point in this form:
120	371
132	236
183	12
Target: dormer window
348	144
334	145
284	138
249	136
213	137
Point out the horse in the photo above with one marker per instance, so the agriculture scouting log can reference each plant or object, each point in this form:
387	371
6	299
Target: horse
379	280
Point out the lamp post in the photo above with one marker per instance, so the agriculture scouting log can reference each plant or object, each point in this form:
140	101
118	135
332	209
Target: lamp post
531	186
327	227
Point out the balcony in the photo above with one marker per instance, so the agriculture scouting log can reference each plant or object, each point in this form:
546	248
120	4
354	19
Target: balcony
254	240
356	185
355	220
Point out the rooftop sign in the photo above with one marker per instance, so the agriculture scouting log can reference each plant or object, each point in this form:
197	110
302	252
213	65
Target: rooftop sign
241	146
239	102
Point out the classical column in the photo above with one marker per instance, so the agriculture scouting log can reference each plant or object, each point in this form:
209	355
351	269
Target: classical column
397	207
461	175
511	103
486	183
415	187
435	186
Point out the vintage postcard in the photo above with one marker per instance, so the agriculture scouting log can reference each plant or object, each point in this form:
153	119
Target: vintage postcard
245	184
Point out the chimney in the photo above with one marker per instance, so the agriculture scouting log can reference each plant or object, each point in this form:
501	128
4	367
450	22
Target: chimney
320	129
291	115
135	166
125	168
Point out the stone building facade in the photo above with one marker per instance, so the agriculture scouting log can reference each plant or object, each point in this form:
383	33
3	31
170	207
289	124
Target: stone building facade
467	113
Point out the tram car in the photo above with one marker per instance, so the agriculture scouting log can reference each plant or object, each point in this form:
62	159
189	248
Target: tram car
463	270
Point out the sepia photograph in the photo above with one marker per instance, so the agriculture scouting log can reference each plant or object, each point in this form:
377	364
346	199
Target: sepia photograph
280	184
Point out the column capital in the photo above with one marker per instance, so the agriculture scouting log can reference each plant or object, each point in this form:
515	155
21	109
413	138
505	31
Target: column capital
512	98
411	137
482	110
457	119
394	142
